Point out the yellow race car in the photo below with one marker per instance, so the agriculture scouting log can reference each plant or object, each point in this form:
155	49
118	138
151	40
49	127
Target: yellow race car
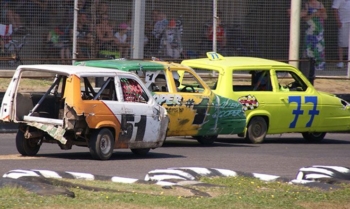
276	97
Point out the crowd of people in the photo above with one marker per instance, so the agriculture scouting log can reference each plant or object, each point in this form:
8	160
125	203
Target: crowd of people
314	14
98	31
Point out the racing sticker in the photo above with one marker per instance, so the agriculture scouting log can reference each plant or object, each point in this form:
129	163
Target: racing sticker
249	102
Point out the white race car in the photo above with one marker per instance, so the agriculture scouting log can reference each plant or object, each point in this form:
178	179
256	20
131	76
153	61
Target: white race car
68	109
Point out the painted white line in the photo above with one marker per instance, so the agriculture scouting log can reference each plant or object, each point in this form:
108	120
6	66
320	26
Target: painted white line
84	176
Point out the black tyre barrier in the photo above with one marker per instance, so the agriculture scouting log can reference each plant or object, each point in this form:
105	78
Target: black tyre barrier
323	177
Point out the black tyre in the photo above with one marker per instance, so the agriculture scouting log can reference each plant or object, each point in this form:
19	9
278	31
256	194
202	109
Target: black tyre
101	144
256	130
314	136
27	147
206	140
142	151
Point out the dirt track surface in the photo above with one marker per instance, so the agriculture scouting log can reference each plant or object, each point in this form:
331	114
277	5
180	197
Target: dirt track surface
333	86
281	155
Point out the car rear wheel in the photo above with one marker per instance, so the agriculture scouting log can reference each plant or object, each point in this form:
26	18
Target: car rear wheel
101	144
27	147
256	130
142	151
314	136
206	140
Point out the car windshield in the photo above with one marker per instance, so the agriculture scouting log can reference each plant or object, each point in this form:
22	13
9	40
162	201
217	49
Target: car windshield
211	80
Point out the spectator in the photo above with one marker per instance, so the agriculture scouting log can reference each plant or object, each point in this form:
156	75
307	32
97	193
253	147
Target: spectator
172	41
37	12
105	36
55	41
102	9
129	29
129	24
122	36
160	25
342	15
11	15
314	14
84	5
84	36
154	33
220	34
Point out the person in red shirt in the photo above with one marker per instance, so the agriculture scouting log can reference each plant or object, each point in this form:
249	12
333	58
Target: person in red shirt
220	34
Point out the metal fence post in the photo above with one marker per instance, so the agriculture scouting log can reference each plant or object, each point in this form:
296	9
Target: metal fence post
311	75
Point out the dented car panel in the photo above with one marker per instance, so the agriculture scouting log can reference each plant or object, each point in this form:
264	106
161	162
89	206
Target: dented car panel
73	111
194	110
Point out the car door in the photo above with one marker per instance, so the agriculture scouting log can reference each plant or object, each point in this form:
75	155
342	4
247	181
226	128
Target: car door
161	83
140	119
299	106
254	89
196	99
7	110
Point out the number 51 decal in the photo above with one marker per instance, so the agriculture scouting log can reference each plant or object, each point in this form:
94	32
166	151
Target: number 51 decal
128	125
298	111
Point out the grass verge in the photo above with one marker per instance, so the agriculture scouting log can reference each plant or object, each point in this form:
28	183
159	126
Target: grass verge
233	192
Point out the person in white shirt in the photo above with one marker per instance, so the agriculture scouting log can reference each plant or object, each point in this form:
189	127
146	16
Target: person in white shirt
122	37
342	15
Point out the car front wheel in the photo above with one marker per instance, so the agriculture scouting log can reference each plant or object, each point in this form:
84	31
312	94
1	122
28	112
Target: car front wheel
206	140
314	136
27	147
256	130
101	144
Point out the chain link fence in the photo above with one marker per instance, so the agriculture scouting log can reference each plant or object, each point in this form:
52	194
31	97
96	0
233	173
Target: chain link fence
41	31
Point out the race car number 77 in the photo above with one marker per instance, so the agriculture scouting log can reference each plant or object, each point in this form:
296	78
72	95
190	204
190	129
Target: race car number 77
298	111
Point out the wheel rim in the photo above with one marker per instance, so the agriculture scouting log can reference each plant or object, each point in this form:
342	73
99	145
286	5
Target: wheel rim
105	144
257	129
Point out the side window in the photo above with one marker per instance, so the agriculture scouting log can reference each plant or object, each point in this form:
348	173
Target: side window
242	80
212	81
189	83
289	81
107	91
251	80
159	84
155	81
261	80
89	91
87	88
132	91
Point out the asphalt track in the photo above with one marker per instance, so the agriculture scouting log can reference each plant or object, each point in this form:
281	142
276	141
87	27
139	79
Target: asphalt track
281	155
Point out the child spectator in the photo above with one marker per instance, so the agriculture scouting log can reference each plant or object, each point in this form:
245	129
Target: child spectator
220	34
105	36
123	45
172	41
55	41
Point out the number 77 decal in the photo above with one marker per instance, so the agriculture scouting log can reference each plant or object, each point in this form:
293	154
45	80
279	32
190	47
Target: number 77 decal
298	111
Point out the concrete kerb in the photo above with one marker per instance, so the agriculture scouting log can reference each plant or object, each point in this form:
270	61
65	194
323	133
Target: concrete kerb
320	176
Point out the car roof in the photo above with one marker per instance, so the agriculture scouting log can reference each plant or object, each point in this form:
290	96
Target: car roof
130	65
68	69
232	62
